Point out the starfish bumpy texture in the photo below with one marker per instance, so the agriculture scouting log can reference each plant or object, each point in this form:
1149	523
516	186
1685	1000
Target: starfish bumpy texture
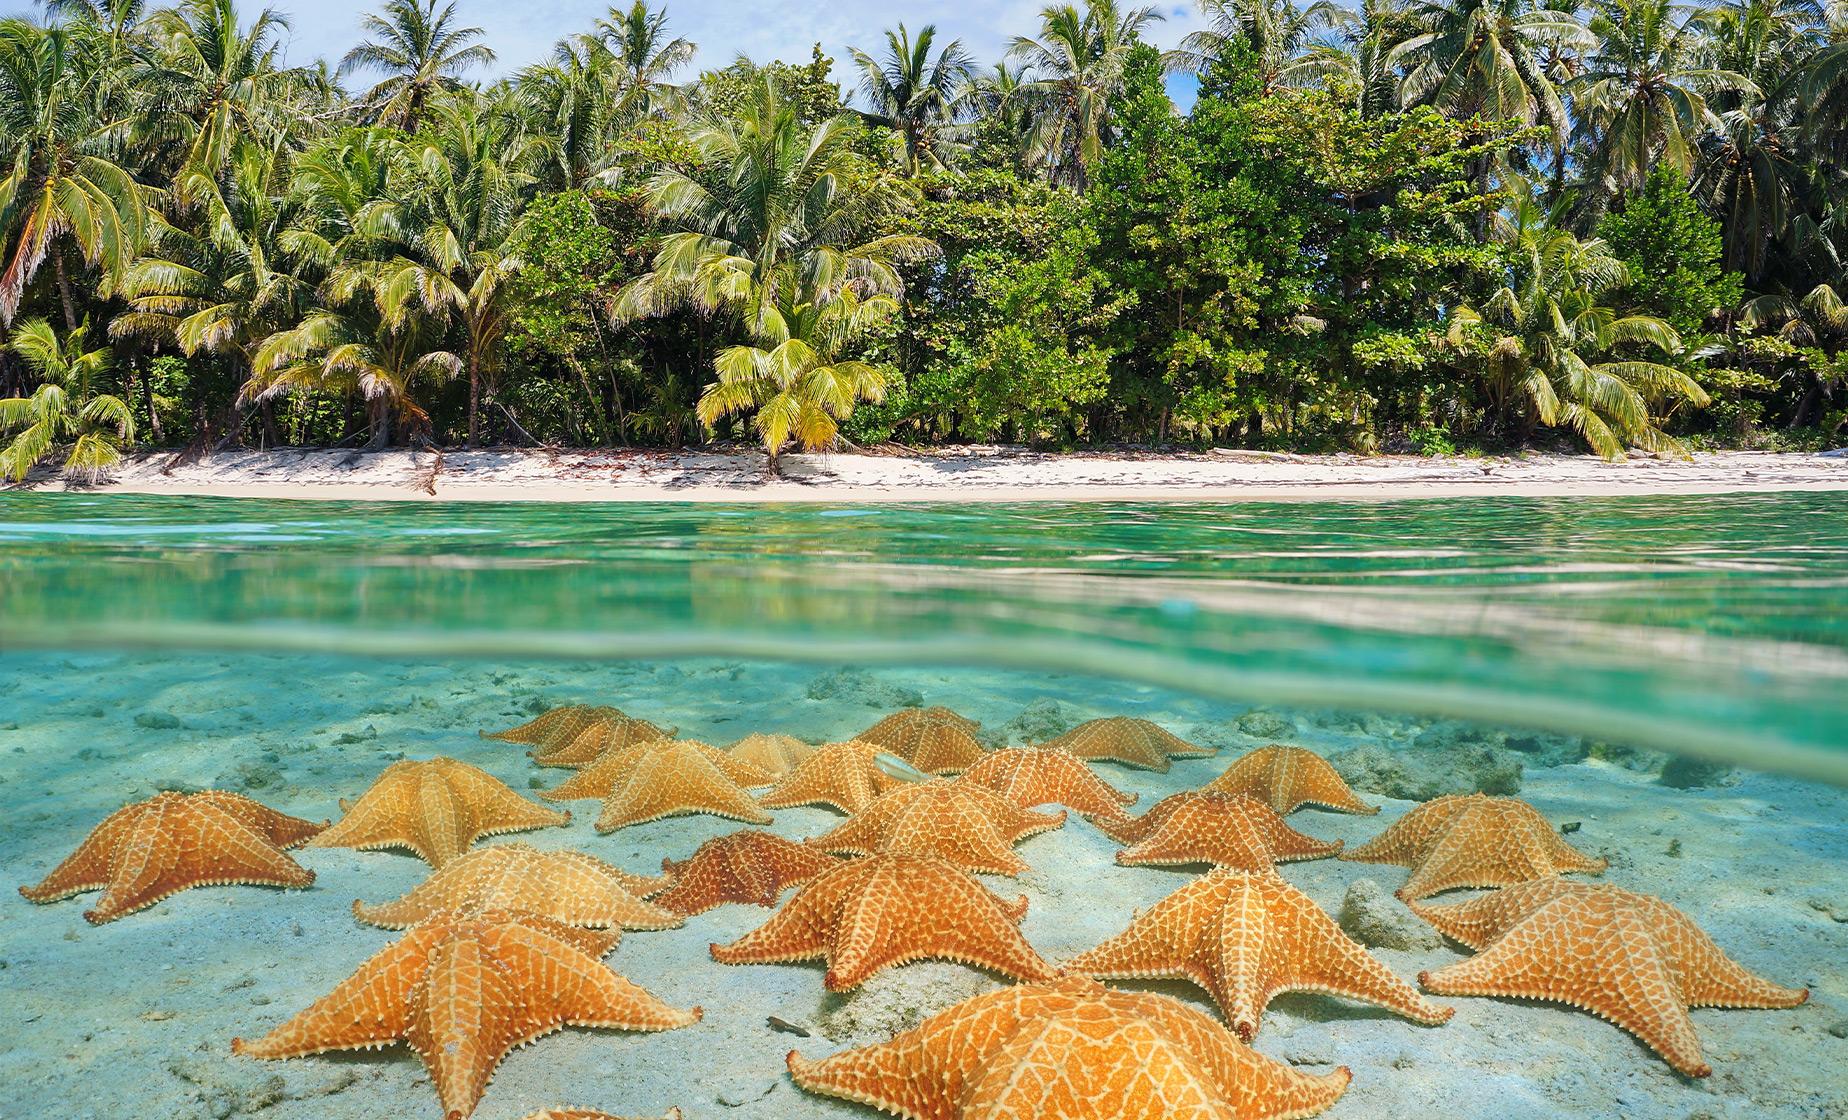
1629	958
842	775
1069	1050
747	866
1246	936
870	914
600	737
970	826
436	809
571	888
1133	742
935	740
463	993
666	778
171	842
1228	829
1029	776
1287	778
1472	840
553	729
775	755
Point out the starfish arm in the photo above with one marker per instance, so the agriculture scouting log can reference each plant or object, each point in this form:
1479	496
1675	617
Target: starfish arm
1332	963
497	809
88	868
280	829
147	863
800	931
1406	840
368	1009
893	1077
1159	942
1708	977
464	1018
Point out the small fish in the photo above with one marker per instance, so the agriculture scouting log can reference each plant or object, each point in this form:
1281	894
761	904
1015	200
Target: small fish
893	766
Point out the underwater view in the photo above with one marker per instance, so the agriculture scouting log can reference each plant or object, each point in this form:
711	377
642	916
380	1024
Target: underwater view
1511	807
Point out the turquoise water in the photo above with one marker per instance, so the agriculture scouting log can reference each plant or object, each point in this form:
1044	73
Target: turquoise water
1711	625
1563	650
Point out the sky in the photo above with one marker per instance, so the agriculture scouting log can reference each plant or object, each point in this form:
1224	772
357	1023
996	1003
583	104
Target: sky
523	31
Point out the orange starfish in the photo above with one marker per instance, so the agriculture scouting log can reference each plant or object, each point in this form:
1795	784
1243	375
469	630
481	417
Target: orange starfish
463	992
843	775
171	842
935	740
1133	742
436	809
870	914
970	826
775	755
666	778
555	728
600	737
1246	936
746	866
1028	776
1629	958
1229	829
1472	840
1069	1050
571	888
1287	778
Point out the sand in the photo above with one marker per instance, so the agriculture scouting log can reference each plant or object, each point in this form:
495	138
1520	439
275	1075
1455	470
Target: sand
136	1017
961	474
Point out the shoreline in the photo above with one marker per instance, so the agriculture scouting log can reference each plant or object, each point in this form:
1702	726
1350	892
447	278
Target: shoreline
971	474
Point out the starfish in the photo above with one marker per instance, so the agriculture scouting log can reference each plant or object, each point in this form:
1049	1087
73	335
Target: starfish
436	809
1287	778
1472	840
746	866
610	772
867	915
843	775
1629	958
571	888
1229	829
1246	936
598	738
154	849
935	740
1133	742
775	755
970	826
1069	1050
463	992
555	728
667	778
1028	777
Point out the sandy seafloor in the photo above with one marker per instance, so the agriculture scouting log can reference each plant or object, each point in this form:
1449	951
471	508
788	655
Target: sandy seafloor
135	1018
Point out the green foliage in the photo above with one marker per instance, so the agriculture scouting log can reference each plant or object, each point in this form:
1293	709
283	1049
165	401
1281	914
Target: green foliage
1672	254
65	413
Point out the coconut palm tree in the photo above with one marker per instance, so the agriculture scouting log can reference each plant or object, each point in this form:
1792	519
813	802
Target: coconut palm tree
645	57
1077	66
1484	58
59	186
777	222
1352	56
1552	353
1280	35
574	105
420	51
913	95
1641	96
64	411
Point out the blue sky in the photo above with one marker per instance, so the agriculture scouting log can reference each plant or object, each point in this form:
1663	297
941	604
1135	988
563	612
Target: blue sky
523	31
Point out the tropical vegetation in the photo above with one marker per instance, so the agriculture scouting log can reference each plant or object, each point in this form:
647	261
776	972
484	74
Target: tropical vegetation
1615	226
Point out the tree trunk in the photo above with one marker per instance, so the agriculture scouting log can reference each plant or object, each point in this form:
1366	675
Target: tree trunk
270	438
378	417
64	288
147	402
474	399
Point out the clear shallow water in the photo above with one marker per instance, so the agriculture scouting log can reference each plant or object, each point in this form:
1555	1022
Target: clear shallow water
1703	624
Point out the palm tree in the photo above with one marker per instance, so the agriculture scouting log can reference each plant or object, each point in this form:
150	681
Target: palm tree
1545	342
575	108
645	56
211	84
1640	98
63	409
1354	57
1077	66
1279	34
58	184
1484	58
420	52
914	96
769	225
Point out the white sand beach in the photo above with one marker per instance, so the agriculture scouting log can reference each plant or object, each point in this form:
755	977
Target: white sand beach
136	1017
964	474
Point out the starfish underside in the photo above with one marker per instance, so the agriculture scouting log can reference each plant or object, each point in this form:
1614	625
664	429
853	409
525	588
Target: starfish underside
1069	1050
